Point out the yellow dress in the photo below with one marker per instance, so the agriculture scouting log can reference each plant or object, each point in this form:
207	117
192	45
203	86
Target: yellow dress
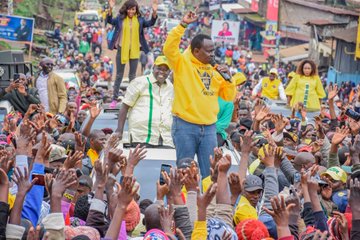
307	90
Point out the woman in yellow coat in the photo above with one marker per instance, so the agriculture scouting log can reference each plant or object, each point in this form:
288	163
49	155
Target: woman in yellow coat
306	87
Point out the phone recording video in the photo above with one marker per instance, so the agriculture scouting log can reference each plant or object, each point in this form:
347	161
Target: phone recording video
164	168
40	179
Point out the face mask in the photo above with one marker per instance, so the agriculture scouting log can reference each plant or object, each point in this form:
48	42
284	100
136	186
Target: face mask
307	141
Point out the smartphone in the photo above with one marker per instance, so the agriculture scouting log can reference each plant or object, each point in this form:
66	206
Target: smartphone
16	77
79	173
40	177
164	168
352	114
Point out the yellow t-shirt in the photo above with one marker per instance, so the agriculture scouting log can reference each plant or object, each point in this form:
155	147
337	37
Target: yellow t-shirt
244	211
93	155
270	89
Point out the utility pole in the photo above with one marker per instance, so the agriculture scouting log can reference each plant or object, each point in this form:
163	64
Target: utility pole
10	7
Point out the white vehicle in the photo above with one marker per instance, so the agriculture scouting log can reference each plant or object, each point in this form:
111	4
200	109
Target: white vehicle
88	17
170	24
5	108
163	11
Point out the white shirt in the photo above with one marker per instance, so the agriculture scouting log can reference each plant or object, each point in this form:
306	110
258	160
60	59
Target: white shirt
41	85
138	97
258	88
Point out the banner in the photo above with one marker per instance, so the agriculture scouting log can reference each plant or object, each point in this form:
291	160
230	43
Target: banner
270	28
16	28
225	31
255	5
357	47
272	10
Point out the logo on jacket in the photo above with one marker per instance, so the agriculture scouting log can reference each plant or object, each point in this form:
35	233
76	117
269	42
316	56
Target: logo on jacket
206	79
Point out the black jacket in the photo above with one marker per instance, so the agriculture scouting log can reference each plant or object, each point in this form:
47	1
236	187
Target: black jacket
20	102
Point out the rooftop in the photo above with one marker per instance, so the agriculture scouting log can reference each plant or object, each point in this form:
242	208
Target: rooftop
323	22
325	8
348	35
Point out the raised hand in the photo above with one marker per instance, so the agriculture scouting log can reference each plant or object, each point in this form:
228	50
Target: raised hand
102	172
112	3
94	111
190	17
154	7
340	135
218	154
204	200
4	186
43	153
224	164
63	180
166	218
191	178
354	198
116	160
247	142
127	192
70	127
139	153
175	186
80	142
280	213
74	160
5	161
264	111
162	190
355	150
333	91
279	156
269	156
235	185
343	224
25	138
280	122
22	180
51	123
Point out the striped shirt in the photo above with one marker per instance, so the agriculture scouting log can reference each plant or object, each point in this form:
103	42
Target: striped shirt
150	114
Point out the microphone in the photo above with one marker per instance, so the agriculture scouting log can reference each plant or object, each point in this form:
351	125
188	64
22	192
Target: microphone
224	75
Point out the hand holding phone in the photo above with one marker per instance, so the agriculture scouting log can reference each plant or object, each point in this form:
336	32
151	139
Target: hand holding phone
40	179
164	168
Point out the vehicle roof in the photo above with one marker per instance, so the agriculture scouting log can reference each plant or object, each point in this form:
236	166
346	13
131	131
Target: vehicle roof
88	12
65	71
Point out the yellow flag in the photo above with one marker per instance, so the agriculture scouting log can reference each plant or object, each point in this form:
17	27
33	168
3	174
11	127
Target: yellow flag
357	48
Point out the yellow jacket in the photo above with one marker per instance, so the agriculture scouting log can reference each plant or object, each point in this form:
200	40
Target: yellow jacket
196	85
244	211
297	88
270	89
57	93
200	231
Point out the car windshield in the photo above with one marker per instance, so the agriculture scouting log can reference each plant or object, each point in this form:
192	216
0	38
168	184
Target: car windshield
89	17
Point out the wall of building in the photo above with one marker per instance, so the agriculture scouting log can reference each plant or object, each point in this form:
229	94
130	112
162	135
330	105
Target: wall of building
294	17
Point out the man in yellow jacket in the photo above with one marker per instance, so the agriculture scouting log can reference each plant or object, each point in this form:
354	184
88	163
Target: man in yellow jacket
197	86
51	87
270	87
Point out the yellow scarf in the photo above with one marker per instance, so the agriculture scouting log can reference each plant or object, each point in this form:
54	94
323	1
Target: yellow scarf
130	44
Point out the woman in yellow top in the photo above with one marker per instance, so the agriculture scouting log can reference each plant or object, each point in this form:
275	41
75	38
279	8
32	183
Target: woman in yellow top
306	87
